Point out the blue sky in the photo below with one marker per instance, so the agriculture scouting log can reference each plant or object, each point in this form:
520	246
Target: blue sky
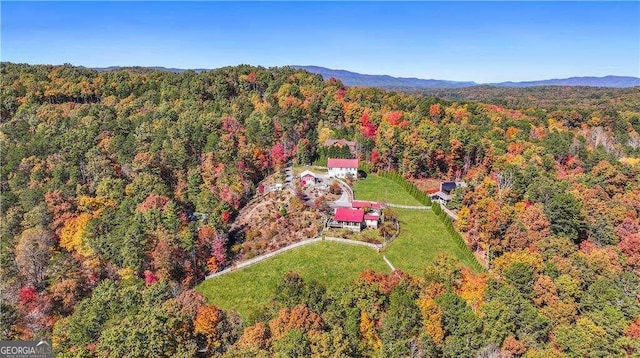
476	41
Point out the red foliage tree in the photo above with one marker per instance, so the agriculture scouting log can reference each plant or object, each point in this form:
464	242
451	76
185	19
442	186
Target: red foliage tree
394	118
374	156
166	258
278	156
633	330
435	111
150	278
252	77
630	246
220	249
27	295
368	129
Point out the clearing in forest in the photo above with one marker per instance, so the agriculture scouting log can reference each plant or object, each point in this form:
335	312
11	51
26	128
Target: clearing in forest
422	237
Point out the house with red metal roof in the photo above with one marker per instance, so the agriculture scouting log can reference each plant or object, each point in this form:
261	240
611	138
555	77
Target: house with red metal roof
348	218
341	143
342	168
372	212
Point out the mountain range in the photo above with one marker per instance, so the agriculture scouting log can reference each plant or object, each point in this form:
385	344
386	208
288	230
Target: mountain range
357	79
363	80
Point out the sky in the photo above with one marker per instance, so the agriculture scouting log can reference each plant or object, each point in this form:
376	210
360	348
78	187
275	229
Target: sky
463	41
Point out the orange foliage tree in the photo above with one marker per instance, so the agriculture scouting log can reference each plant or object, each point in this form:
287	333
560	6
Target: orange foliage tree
298	317
471	288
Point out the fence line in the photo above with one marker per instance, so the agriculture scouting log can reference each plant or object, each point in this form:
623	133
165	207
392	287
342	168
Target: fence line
376	247
388	263
257	259
412	207
459	240
451	214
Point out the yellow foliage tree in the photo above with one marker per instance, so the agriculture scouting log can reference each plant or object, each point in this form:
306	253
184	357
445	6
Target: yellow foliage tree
127	273
511	132
431	319
533	259
207	323
324	134
463	218
73	234
95	205
368	331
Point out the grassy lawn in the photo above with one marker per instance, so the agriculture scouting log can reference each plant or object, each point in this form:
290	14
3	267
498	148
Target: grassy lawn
422	237
377	188
330	263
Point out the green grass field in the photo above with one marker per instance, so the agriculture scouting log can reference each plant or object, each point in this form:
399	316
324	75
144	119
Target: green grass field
377	188
330	263
422	237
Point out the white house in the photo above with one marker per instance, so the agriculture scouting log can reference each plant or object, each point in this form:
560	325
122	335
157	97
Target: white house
341	168
372	220
441	197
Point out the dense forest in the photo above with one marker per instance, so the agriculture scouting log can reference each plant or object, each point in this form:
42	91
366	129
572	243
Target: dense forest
102	174
582	99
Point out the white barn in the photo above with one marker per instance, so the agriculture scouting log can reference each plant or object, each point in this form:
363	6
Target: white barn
341	168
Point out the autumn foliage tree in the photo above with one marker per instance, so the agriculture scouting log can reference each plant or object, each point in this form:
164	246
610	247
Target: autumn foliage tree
216	327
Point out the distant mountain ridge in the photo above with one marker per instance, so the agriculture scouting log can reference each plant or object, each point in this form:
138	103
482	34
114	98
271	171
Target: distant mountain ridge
363	80
606	81
357	79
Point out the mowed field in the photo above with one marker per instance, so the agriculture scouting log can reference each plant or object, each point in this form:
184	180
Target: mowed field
330	263
381	189
422	234
422	237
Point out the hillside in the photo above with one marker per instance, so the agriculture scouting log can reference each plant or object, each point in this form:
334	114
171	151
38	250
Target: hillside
120	189
422	238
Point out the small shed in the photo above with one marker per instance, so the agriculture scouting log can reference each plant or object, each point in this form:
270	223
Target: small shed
307	177
441	197
372	220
